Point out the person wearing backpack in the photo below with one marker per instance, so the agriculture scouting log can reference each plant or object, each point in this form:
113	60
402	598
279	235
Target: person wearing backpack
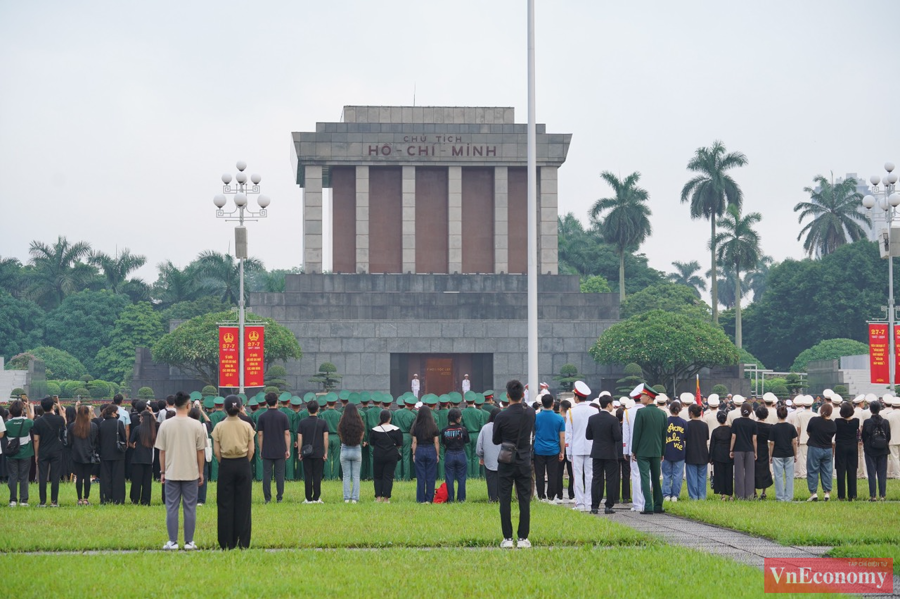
876	435
19	451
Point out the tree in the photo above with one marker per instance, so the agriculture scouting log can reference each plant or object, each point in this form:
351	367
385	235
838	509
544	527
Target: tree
58	270
17	393
738	249
115	269
748	358
709	192
669	347
270	281
275	377
720	390
567	376
836	213
99	389
221	274
190	309
634	376
327	376
137	326
728	288
193	346
21	324
146	393
83	323
758	278
58	364
12	276
830	349
174	285
627	224
595	284
209	391
685	274
665	296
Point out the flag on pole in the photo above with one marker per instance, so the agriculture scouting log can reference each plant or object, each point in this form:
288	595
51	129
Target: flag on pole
697	397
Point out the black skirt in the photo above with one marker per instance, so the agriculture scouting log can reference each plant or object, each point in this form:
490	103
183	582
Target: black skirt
763	475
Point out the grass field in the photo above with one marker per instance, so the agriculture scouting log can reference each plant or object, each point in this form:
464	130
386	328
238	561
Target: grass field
402	523
656	571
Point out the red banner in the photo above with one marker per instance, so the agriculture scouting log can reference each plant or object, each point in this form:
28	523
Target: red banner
228	357
254	358
896	354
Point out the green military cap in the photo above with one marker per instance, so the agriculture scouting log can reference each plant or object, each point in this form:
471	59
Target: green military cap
220	401
253	401
479	399
364	396
470	396
331	397
410	400
209	403
296	401
430	400
344	395
488	393
387	398
310	396
354	399
286	396
445	399
243	399
260	397
195	395
455	397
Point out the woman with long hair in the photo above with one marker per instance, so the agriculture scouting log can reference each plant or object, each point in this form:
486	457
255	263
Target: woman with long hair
112	456
143	437
82	439
876	437
425	450
351	430
386	441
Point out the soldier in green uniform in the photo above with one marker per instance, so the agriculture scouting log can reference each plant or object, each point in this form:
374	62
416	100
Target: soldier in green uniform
473	420
294	420
648	447
215	418
489	404
285	408
332	417
382	401
255	403
344	396
403	419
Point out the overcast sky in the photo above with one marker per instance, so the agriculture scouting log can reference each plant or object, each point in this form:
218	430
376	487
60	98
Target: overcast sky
118	118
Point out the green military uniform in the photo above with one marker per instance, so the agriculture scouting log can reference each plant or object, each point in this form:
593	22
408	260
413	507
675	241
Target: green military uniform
294	422
257	456
472	420
488	405
403	419
648	444
441	419
372	419
285	399
214	419
332	417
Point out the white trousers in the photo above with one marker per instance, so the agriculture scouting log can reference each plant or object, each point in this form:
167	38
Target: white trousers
800	466
893	469
583	470
861	470
637	495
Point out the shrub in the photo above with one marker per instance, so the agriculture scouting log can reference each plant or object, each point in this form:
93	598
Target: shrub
720	390
659	388
843	391
568	374
53	388
272	390
99	389
209	390
69	388
634	375
146	393
17	393
595	284
87	378
81	392
781	391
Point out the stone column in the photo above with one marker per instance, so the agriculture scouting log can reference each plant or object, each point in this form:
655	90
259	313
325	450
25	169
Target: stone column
454	218
409	219
501	219
548	231
312	220
362	219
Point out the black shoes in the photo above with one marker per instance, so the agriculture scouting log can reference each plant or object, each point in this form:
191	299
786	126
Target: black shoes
595	512
647	512
609	510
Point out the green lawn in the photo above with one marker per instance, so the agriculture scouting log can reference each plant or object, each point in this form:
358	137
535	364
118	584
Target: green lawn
657	571
882	550
402	523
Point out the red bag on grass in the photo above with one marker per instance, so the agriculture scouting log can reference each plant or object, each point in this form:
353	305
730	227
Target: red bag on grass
440	496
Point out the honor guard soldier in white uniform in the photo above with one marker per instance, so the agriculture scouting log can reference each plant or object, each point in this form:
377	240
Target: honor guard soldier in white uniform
893	419
801	420
578	446
770	400
736	412
466	384
637	496
414	385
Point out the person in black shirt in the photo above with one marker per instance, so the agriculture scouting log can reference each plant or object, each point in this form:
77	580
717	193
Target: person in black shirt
82	436
112	456
783	441
720	457
143	438
312	448
386	441
763	475
515	425
876	436
48	449
846	452
425	450
743	452
454	438
696	454
274	432
820	452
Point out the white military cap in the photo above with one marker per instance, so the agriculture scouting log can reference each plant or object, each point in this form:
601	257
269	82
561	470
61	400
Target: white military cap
836	398
895	401
738	400
616	403
662	399
713	400
887	398
859	399
582	389
602	393
769	397
788	403
827	393
870	397
686	397
629	404
595	402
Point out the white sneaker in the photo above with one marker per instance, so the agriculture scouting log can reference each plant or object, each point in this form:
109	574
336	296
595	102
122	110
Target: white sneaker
170	546
353	501
199	505
12	504
307	501
346	501
190	546
674	500
556	501
319	501
507	544
666	499
524	544
23	505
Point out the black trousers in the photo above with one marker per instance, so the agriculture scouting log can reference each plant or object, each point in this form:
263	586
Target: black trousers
546	466
493	484
268	465
608	469
846	461
83	479
876	467
625	477
723	483
112	481
312	479
518	474
383	474
49	466
559	477
233	496
141	477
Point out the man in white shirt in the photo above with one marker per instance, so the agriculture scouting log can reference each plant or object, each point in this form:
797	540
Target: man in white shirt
637	495
466	384
861	412
736	412
801	420
414	385
578	446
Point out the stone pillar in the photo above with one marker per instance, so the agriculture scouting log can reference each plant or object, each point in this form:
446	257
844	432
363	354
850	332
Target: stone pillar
409	219
548	229
362	219
312	220
501	219
454	218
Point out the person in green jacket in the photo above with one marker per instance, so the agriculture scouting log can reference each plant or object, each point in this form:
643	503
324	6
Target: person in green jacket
294	419
21	421
488	405
332	417
403	419
215	418
285	408
472	420
257	456
648	446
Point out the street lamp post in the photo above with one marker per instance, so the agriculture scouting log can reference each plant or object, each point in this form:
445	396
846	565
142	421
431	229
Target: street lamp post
884	196
241	189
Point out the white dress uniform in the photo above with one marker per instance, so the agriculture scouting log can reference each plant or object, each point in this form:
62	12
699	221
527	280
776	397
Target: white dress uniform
578	446
802	419
414	386
862	414
466	386
893	470
637	495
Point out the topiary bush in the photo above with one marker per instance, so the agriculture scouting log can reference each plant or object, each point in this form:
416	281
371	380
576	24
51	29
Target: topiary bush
781	391
659	388
842	390
634	375
99	389
17	393
53	388
272	390
81	392
720	390
86	378
209	390
146	393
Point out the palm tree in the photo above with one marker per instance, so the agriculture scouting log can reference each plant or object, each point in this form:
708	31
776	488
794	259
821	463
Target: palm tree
11	276
758	278
709	193
175	285
738	249
728	286
221	273
58	270
116	269
686	275
835	212
627	224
